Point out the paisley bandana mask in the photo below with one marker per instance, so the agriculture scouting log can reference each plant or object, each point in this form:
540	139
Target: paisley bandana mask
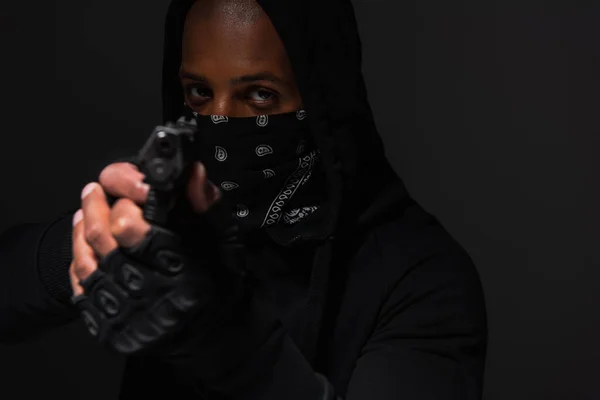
263	166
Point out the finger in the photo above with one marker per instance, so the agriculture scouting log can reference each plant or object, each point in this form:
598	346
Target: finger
96	214
124	180
75	286
84	260
127	223
201	192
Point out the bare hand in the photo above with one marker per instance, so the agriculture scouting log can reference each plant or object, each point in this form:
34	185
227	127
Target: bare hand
98	229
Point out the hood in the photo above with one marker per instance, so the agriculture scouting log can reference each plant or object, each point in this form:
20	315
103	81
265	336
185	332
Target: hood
323	44
322	41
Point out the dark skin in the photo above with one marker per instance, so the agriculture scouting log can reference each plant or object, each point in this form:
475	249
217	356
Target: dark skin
230	66
239	70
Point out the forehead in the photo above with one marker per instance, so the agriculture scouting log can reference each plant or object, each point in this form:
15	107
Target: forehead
223	41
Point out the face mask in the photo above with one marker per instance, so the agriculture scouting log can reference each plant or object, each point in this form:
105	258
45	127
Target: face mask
263	165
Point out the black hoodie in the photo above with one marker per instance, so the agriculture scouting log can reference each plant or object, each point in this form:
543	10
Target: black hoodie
390	308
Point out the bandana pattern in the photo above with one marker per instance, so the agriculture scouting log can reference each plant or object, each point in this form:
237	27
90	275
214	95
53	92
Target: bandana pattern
297	214
297	179
260	164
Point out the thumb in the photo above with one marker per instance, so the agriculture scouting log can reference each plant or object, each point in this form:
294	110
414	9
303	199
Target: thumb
201	192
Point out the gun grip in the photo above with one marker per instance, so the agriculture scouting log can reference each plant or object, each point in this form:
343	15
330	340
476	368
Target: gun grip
156	208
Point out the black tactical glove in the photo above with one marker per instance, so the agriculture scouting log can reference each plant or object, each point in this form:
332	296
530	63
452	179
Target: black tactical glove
139	296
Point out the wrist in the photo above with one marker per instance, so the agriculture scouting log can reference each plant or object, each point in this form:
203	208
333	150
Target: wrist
54	255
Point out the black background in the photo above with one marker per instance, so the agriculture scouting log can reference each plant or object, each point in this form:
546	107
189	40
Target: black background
500	141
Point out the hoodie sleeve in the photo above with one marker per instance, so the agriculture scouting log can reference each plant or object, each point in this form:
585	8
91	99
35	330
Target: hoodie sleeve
429	343
34	278
251	359
431	336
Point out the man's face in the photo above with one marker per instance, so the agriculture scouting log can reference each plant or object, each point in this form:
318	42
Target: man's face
235	68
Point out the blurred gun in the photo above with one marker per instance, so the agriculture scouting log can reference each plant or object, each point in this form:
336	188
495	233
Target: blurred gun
166	160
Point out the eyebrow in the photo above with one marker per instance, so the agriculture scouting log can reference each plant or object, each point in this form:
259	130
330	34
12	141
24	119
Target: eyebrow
260	76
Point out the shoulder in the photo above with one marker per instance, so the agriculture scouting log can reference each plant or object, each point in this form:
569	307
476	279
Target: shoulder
412	255
413	310
408	240
411	284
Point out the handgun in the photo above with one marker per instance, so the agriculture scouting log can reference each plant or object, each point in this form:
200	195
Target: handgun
166	160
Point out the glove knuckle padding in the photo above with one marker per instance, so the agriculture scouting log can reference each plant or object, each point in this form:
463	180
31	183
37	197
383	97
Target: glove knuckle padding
140	295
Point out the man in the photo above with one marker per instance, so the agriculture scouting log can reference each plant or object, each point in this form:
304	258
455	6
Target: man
357	292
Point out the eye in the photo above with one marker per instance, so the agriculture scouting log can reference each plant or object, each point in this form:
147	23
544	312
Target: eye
261	95
199	92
